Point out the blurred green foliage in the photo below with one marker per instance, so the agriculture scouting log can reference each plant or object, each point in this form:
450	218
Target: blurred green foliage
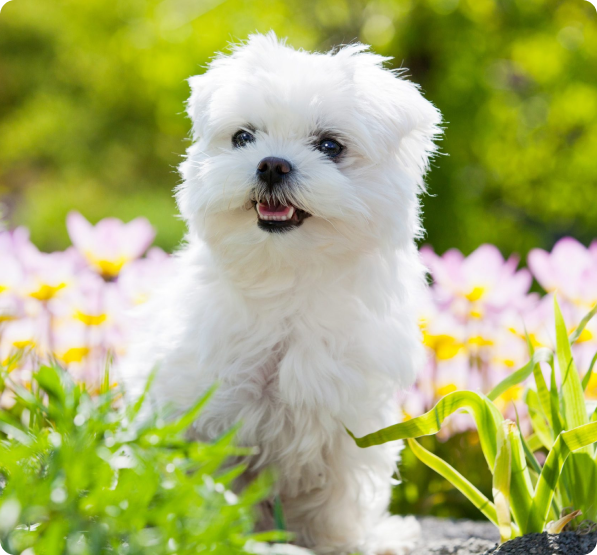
78	477
92	95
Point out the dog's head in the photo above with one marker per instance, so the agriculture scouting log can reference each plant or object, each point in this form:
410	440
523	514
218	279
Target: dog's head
300	152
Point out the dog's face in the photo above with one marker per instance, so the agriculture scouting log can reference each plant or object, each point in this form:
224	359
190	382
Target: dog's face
305	152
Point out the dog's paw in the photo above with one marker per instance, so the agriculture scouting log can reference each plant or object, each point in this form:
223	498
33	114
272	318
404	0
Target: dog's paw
395	535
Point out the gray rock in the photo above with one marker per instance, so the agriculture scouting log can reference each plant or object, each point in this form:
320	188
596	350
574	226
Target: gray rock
442	536
435	529
472	546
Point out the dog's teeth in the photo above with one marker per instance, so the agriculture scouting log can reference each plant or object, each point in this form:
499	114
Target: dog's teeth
281	218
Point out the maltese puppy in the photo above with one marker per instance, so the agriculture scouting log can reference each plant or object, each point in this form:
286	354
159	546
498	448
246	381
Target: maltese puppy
298	285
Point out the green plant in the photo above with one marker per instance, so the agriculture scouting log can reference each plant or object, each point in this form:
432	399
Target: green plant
79	477
525	494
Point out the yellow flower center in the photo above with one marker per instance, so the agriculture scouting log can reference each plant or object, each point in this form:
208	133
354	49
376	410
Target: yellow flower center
107	268
23	343
46	292
74	354
480	341
3	288
91	319
444	346
476	293
444	390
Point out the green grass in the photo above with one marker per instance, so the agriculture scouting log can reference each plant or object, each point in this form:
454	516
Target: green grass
82	475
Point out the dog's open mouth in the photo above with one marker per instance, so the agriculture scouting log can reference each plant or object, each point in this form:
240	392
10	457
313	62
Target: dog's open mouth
277	217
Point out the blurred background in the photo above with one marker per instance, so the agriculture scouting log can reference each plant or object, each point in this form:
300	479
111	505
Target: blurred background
92	106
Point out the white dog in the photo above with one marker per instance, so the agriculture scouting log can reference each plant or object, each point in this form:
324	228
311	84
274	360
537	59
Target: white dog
298	285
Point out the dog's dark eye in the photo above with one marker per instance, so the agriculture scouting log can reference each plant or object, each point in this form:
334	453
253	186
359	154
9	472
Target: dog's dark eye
330	147
242	138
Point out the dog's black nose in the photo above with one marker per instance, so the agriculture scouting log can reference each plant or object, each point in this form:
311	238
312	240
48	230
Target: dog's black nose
272	170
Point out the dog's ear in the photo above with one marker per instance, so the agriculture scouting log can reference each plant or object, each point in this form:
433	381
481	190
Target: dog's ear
398	114
198	104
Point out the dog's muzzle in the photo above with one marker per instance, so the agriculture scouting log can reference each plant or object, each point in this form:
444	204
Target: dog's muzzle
275	213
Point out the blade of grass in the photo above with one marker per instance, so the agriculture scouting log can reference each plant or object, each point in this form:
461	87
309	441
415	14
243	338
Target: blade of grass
529	342
188	417
501	485
134	409
521	488
105	385
530	456
538	419
575	412
540	355
456	479
487	418
279	520
587	377
543	392
583	323
554	402
566	442
534	443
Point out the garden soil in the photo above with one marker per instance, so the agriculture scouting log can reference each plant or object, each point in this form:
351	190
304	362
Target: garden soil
446	537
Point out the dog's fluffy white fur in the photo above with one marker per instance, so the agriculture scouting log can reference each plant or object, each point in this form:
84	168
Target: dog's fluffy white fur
314	329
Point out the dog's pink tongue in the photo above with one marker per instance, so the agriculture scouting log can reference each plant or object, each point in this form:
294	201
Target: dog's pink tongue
268	209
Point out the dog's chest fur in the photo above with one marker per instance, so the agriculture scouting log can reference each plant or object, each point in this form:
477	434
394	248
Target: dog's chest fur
294	367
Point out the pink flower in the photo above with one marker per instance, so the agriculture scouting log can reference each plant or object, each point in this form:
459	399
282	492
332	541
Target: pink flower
478	283
140	278
47	275
110	244
570	269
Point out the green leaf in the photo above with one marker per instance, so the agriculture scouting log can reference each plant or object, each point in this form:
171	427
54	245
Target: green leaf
521	488
50	381
279	520
540	355
575	412
105	385
134	409
501	485
543	392
529	342
587	377
456	479
567	442
583	323
526	445
487	418
538	419
190	416
554	402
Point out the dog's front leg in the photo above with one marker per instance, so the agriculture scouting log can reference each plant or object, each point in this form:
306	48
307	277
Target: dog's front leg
348	513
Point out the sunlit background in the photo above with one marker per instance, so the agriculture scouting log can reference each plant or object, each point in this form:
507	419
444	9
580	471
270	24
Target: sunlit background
92	106
92	120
